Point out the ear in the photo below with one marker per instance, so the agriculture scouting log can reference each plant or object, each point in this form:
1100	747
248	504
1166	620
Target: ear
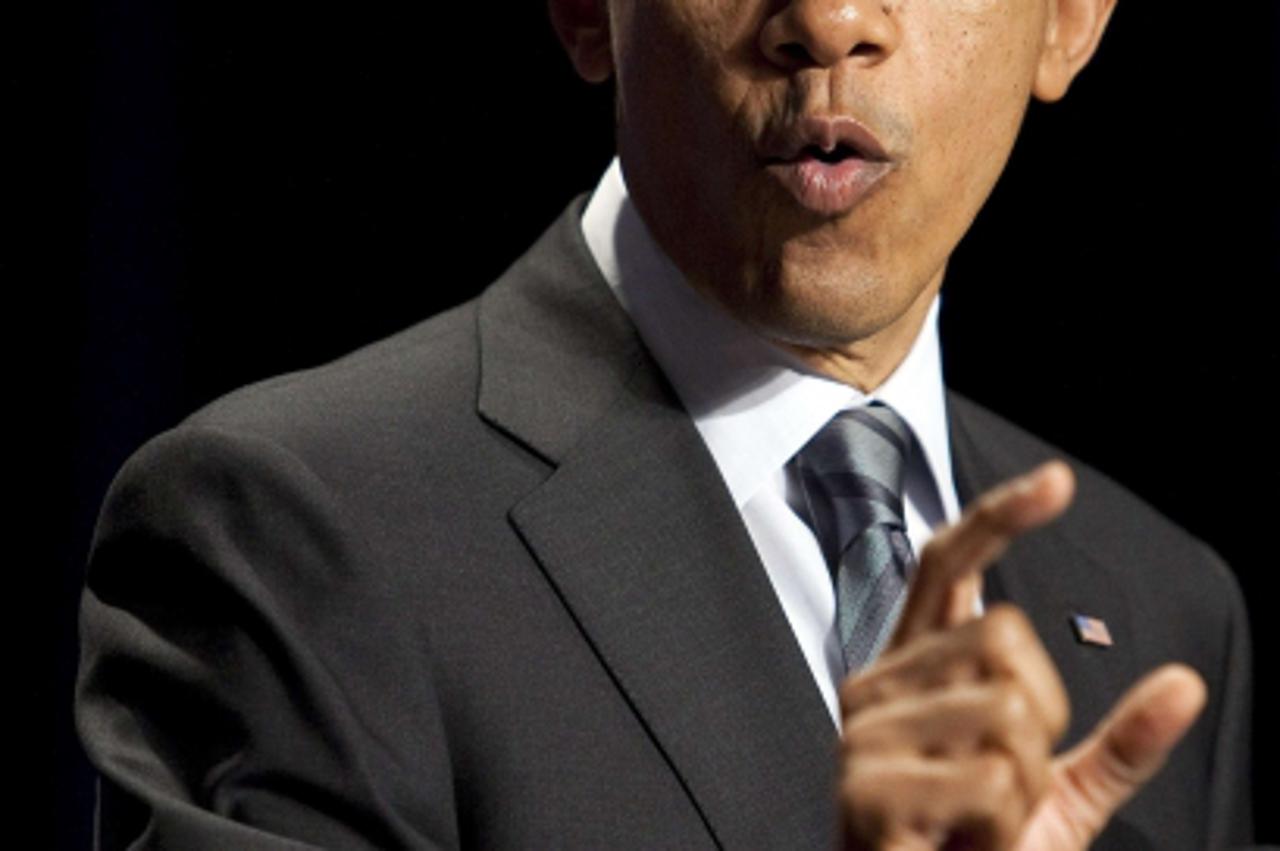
583	29
1072	33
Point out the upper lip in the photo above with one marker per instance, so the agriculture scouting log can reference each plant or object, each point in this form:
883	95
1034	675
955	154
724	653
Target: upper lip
786	142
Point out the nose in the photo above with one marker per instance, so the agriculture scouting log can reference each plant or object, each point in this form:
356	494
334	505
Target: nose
808	33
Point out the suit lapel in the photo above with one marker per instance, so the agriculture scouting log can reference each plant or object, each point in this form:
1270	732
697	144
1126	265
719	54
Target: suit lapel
1050	574
638	534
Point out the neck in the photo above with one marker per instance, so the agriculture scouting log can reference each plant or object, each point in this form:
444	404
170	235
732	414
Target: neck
866	363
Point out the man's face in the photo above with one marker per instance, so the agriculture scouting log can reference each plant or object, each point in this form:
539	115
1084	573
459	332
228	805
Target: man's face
726	109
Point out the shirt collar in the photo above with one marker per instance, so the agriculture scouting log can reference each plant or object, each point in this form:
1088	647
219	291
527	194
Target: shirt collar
754	404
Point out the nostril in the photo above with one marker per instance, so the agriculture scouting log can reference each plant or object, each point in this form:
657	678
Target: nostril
796	53
804	35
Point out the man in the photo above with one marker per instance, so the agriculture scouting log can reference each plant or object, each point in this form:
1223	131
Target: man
551	569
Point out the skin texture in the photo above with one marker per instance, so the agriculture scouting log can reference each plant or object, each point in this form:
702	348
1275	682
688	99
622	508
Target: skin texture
948	737
943	86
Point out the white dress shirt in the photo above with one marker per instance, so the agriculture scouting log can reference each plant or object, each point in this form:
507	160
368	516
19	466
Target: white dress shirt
756	406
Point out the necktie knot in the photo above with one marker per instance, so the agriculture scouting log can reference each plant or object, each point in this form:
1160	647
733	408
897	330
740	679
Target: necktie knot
852	474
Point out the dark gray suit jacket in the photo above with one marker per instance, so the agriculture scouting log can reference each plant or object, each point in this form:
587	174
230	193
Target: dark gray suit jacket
482	585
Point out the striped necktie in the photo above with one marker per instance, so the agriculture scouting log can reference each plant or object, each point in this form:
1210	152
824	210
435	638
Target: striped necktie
851	474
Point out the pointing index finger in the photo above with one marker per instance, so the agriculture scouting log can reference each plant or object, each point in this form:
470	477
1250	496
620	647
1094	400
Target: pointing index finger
941	595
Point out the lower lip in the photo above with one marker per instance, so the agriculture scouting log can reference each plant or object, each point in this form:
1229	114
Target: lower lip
829	189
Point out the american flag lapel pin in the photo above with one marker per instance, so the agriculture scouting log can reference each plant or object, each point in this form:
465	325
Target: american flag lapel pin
1091	630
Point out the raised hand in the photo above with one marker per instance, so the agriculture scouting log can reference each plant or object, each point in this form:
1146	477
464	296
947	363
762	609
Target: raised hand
948	737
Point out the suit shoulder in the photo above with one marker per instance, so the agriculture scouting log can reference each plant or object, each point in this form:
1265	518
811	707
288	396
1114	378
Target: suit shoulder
1107	521
398	413
401	382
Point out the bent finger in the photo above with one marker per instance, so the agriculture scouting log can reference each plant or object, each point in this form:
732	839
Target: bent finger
908	802
956	554
959	723
1001	645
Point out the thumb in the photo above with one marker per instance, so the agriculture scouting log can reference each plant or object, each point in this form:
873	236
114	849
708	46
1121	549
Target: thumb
1130	745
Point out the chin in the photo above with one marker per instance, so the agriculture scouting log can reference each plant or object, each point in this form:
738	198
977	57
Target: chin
818	308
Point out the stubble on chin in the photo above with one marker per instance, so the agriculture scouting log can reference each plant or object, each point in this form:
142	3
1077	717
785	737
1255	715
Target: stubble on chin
818	307
853	325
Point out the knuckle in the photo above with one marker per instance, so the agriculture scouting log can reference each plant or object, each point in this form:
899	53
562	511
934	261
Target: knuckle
998	776
1005	630
1013	709
1010	617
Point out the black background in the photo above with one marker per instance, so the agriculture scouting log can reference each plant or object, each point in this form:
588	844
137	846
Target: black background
222	191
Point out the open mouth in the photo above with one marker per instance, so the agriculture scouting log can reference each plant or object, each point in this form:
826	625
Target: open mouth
828	182
813	152
825	139
818	156
838	154
826	164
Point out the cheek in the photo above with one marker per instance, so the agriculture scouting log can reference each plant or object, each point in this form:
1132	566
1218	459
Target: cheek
668	46
974	99
674	89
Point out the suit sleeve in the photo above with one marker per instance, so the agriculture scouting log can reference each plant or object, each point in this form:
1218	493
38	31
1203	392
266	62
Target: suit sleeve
249	679
1231	810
